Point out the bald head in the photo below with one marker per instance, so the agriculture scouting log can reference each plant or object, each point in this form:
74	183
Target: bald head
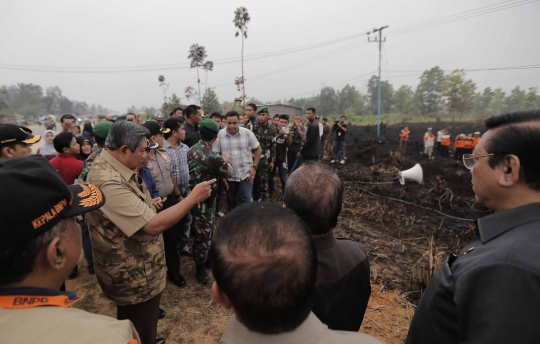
264	261
315	193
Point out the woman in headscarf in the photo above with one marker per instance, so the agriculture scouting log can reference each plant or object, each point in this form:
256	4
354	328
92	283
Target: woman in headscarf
48	150
88	132
86	148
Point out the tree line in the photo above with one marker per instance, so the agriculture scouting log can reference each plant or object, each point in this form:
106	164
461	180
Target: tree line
437	94
31	100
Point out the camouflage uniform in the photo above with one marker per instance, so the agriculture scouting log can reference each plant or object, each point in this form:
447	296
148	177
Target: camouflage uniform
86	166
129	265
265	136
204	165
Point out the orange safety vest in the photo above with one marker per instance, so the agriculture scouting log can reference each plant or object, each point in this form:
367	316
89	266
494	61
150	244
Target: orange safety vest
468	143
459	142
446	140
476	140
404	135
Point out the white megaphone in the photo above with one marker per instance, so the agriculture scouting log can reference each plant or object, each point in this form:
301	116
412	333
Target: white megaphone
416	174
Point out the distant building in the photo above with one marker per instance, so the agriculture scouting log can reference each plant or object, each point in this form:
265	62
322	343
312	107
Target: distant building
281	109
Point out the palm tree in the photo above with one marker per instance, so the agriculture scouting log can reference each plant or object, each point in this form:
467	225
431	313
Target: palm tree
241	19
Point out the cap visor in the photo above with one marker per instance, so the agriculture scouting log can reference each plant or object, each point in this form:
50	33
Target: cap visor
165	130
32	139
86	197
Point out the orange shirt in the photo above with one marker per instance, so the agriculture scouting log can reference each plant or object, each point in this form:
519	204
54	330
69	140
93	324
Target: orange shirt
404	135
446	140
476	140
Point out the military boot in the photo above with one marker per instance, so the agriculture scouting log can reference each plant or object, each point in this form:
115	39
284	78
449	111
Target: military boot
202	276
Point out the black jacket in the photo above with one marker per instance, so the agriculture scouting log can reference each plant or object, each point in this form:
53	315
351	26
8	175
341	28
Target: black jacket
312	146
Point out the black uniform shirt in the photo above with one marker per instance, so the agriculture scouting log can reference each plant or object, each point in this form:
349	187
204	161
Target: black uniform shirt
490	292
343	289
192	134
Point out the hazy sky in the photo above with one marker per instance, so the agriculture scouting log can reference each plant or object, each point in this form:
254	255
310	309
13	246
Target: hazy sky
111	35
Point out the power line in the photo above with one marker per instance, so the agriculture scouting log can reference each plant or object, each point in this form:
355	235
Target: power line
457	17
52	69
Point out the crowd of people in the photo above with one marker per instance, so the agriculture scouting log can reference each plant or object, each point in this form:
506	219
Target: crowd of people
142	189
441	143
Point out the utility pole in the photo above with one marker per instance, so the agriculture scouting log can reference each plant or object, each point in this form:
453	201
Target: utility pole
380	40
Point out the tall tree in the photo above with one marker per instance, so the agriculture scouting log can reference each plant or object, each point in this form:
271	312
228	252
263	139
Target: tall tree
515	99
487	97
458	92
387	92
404	100
428	94
498	102
197	54
241	19
348	98
169	105
210	102
329	100
532	99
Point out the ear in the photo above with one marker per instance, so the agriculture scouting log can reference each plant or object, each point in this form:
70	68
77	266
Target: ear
222	299
7	152
124	150
510	167
65	150
55	254
153	138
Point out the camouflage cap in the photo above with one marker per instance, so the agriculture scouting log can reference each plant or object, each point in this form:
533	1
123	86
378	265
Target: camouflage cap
209	124
101	129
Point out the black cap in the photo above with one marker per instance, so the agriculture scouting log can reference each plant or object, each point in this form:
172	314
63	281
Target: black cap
325	119
317	116
37	198
11	133
154	128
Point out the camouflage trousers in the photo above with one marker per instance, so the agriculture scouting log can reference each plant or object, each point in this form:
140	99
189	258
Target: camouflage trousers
260	184
202	229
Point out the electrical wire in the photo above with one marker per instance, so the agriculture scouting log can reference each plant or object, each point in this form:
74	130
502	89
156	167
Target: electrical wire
457	17
410	203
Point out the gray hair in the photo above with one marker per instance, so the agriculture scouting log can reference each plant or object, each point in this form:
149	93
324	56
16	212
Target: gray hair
58	230
125	133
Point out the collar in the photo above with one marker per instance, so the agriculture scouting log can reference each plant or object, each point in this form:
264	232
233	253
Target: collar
310	331
188	124
325	242
125	172
29	297
237	134
205	143
492	226
167	145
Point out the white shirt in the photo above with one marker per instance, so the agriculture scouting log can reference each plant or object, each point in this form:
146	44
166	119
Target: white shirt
321	129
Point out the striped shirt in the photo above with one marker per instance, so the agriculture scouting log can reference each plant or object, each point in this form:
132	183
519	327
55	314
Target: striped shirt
180	168
240	147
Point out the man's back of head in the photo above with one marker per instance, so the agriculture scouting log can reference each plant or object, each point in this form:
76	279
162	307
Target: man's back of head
315	193
265	265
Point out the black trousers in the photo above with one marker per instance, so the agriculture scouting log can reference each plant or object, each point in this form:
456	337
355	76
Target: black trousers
171	239
144	317
291	154
281	166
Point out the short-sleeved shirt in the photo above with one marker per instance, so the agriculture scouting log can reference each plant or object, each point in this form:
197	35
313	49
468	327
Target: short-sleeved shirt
296	139
130	265
240	147
490	291
161	168
180	169
35	315
68	166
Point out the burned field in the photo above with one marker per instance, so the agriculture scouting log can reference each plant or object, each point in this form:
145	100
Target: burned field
407	230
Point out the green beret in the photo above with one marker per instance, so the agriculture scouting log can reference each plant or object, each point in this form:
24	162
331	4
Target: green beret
262	109
101	129
209	124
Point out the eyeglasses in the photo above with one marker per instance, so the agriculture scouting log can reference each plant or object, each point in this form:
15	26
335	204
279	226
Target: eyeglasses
470	160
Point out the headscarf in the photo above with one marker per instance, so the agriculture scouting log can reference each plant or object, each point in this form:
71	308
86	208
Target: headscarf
81	140
48	148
